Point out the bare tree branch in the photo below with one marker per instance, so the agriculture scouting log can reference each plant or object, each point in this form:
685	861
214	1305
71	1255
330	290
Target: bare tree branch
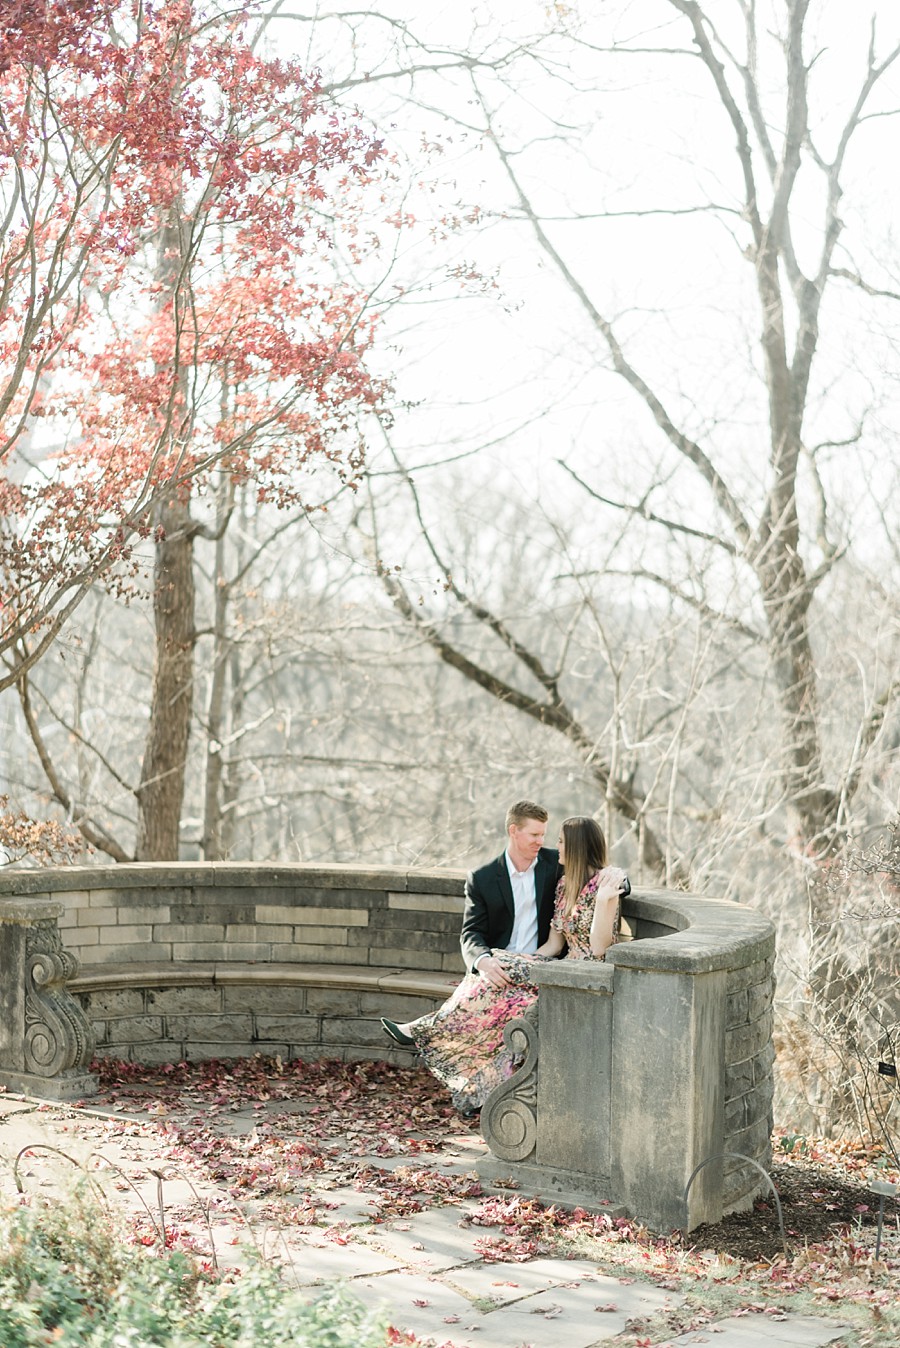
683	443
856	280
93	833
642	510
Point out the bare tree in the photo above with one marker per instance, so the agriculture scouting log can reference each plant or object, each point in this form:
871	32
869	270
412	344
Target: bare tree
790	301
768	522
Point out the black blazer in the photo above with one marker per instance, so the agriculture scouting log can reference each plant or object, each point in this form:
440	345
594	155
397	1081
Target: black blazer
489	911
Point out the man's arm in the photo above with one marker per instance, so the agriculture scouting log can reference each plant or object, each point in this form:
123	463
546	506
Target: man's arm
473	939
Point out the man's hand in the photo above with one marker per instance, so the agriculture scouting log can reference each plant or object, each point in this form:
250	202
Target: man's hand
493	972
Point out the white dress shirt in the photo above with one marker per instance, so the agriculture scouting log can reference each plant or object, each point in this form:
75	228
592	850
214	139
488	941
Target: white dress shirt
524	937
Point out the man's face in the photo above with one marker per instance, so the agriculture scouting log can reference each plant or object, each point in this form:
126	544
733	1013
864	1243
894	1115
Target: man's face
526	841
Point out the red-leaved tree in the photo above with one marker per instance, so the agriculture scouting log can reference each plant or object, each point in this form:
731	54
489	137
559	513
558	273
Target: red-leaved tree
170	309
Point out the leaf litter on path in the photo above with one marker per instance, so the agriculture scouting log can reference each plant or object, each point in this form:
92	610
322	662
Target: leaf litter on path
278	1138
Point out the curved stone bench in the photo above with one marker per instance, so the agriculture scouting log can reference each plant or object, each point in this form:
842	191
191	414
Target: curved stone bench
188	961
641	1069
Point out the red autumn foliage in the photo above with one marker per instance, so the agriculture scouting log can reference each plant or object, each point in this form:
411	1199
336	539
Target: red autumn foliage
171	207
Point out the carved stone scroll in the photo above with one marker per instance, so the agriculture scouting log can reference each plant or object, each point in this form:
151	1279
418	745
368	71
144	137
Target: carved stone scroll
509	1115
58	1036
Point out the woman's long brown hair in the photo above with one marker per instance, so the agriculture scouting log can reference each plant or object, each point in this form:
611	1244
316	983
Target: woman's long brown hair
585	848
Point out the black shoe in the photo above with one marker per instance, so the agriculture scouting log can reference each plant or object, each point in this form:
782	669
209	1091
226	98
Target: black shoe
404	1040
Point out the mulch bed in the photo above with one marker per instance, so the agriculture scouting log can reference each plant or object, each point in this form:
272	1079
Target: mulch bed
818	1204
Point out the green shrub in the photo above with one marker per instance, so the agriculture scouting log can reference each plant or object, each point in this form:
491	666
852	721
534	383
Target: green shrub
70	1278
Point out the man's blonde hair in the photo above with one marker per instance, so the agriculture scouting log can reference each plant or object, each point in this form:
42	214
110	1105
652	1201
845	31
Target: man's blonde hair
523	810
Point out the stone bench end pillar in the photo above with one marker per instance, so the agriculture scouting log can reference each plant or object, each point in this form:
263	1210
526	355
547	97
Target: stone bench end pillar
46	1041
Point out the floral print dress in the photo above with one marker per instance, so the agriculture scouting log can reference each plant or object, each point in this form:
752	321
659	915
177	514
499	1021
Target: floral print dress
462	1042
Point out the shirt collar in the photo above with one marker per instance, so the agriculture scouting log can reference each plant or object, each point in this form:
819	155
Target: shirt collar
511	867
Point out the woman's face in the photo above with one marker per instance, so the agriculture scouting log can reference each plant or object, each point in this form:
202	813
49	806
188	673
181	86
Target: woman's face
562	848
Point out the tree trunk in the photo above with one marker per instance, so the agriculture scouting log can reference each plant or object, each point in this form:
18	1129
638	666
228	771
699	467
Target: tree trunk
231	772
811	805
161	790
160	794
212	843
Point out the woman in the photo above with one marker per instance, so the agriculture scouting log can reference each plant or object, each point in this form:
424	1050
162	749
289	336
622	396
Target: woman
462	1042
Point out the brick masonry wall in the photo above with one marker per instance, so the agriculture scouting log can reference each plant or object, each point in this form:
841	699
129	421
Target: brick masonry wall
749	1059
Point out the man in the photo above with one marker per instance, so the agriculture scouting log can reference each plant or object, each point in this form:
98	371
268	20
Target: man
509	902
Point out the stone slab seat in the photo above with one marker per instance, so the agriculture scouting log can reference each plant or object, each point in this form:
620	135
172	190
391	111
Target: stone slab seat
353	977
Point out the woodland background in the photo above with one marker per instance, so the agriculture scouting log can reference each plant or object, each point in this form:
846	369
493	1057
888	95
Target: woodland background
405	412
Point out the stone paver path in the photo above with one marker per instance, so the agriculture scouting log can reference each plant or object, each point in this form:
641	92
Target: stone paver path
794	1331
424	1270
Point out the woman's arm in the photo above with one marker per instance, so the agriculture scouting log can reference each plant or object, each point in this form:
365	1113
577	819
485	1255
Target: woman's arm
603	923
553	946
